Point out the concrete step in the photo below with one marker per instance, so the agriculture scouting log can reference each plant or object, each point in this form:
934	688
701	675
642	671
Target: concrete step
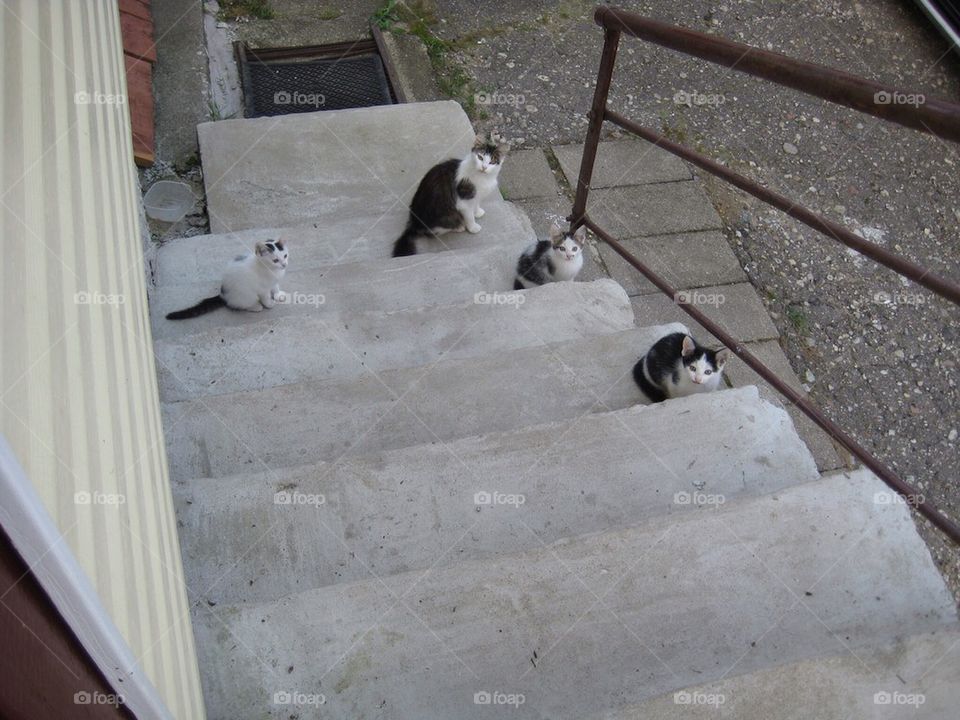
331	240
289	350
289	170
916	677
401	510
326	420
340	290
594	622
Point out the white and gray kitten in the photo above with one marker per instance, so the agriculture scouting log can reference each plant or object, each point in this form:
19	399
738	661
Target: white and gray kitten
554	260
250	282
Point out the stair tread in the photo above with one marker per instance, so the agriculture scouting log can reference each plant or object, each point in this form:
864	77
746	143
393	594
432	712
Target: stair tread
262	429
288	170
386	284
923	671
331	240
632	613
288	349
398	510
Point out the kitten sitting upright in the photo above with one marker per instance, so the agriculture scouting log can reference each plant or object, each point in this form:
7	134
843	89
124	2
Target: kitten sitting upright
559	258
250	282
676	366
449	195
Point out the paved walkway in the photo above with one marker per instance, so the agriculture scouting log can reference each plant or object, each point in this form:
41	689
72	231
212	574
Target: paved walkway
652	202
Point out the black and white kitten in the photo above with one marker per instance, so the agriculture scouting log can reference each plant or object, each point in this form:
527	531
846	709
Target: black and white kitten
448	197
559	258
250	282
676	366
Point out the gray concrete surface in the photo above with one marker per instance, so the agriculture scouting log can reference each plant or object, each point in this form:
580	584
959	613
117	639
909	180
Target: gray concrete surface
180	80
771	355
770	580
735	307
623	162
294	349
526	174
658	209
250	431
923	671
688	260
293	170
334	290
384	514
332	240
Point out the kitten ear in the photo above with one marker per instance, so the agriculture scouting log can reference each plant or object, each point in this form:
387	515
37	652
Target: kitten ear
581	234
688	346
280	243
479	141
556	232
721	357
260	248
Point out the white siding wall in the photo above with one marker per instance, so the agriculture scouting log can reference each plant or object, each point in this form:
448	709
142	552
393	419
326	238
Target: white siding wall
78	392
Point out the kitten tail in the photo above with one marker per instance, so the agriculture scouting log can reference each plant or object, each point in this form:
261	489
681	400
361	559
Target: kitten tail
201	308
406	244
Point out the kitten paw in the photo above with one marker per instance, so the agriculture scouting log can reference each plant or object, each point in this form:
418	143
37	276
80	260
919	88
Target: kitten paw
480	212
280	296
473	228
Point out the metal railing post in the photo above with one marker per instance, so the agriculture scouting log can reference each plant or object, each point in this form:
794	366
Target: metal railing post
611	41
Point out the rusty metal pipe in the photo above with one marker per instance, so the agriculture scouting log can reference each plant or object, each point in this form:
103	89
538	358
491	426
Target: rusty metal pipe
928	510
919	274
935	115
611	40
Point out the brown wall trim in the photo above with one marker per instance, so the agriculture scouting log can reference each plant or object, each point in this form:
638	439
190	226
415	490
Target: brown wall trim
44	671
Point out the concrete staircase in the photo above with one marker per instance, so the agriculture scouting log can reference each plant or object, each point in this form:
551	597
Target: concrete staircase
401	501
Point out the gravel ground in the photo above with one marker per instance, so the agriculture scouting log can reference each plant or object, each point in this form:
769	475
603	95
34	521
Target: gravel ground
879	355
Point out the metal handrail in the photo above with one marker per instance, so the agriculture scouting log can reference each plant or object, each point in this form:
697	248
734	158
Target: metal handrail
937	117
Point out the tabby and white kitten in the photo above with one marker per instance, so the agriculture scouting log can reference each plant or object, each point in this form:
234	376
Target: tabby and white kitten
448	197
677	366
250	282
559	258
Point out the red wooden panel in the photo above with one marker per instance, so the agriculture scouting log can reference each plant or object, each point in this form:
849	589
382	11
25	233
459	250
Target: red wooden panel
139	8
137	36
140	97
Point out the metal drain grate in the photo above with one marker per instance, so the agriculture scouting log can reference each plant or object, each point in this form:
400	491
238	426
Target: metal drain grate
282	81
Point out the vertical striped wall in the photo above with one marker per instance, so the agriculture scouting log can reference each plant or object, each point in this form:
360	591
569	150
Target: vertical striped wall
78	392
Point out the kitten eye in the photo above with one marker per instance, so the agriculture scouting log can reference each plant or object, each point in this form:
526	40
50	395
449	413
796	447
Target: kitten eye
708	372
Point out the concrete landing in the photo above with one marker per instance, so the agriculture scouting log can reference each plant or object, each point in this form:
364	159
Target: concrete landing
295	349
225	434
293	170
801	574
400	510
